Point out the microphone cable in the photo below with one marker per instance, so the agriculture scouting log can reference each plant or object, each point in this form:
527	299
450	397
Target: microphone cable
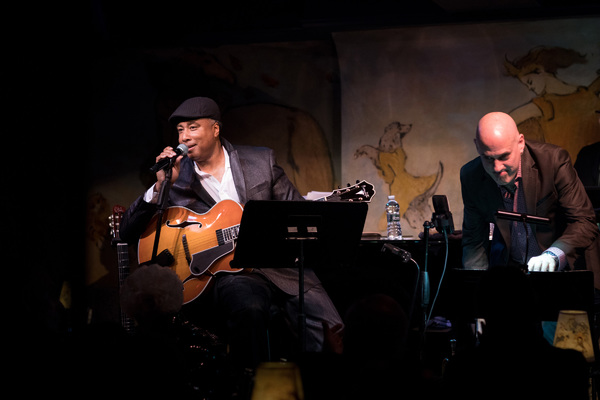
441	279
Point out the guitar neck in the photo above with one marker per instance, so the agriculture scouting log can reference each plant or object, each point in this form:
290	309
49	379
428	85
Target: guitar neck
123	263
361	191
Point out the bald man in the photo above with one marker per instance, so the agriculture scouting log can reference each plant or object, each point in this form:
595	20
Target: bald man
532	178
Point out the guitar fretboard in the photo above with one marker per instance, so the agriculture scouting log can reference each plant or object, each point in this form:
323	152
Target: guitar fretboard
123	259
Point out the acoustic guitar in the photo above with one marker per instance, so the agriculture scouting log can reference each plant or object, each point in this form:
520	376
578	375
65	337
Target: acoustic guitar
199	246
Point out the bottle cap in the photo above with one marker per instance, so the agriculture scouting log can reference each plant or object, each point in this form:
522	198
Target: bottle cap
390	197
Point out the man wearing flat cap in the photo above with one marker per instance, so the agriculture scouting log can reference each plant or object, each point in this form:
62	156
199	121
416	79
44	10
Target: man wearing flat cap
215	170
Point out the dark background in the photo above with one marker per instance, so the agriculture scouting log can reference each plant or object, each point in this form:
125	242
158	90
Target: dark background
224	22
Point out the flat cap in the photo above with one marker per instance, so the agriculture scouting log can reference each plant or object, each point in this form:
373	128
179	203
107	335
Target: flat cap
196	108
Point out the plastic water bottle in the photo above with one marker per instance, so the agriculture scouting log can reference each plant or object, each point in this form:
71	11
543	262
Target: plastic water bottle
392	209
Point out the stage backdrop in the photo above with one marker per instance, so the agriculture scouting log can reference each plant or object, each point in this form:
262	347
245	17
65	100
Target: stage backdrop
411	99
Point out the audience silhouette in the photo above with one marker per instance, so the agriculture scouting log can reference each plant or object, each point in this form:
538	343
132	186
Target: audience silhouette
368	360
513	360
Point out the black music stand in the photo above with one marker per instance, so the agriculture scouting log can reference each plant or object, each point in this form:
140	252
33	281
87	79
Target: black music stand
553	291
288	234
523	219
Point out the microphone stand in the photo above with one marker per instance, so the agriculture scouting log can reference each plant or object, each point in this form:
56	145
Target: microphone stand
443	222
425	290
163	195
405	257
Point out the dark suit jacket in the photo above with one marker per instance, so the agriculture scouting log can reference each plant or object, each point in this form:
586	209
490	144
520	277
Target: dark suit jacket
552	189
256	176
588	165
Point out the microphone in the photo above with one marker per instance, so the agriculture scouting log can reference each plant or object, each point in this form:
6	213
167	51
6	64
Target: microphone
442	217
397	251
181	150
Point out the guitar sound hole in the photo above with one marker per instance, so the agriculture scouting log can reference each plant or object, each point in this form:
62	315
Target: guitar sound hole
184	224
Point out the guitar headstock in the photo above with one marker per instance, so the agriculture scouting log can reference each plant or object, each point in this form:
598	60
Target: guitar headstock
115	222
362	191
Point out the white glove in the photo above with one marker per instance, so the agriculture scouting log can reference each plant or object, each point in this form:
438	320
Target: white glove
542	263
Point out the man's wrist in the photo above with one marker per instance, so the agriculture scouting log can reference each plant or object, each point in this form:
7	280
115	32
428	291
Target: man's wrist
151	195
550	253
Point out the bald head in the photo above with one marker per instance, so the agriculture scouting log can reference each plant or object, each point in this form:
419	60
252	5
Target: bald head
500	146
496	127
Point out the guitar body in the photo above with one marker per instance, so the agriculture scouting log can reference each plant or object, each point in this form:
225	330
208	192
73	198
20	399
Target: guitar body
195	246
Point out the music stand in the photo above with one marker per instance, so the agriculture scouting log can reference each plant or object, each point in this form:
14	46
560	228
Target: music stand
553	291
288	234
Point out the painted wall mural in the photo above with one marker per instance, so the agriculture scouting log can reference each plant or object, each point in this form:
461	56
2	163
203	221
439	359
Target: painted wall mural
561	112
389	158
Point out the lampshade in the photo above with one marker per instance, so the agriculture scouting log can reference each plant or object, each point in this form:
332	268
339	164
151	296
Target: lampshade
277	381
573	332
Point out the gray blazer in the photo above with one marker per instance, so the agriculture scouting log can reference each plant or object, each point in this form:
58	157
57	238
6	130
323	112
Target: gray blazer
256	176
552	189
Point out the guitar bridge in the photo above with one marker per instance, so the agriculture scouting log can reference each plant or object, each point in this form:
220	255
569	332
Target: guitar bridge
186	249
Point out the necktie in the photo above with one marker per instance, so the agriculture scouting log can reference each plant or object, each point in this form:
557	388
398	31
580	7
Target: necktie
523	243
